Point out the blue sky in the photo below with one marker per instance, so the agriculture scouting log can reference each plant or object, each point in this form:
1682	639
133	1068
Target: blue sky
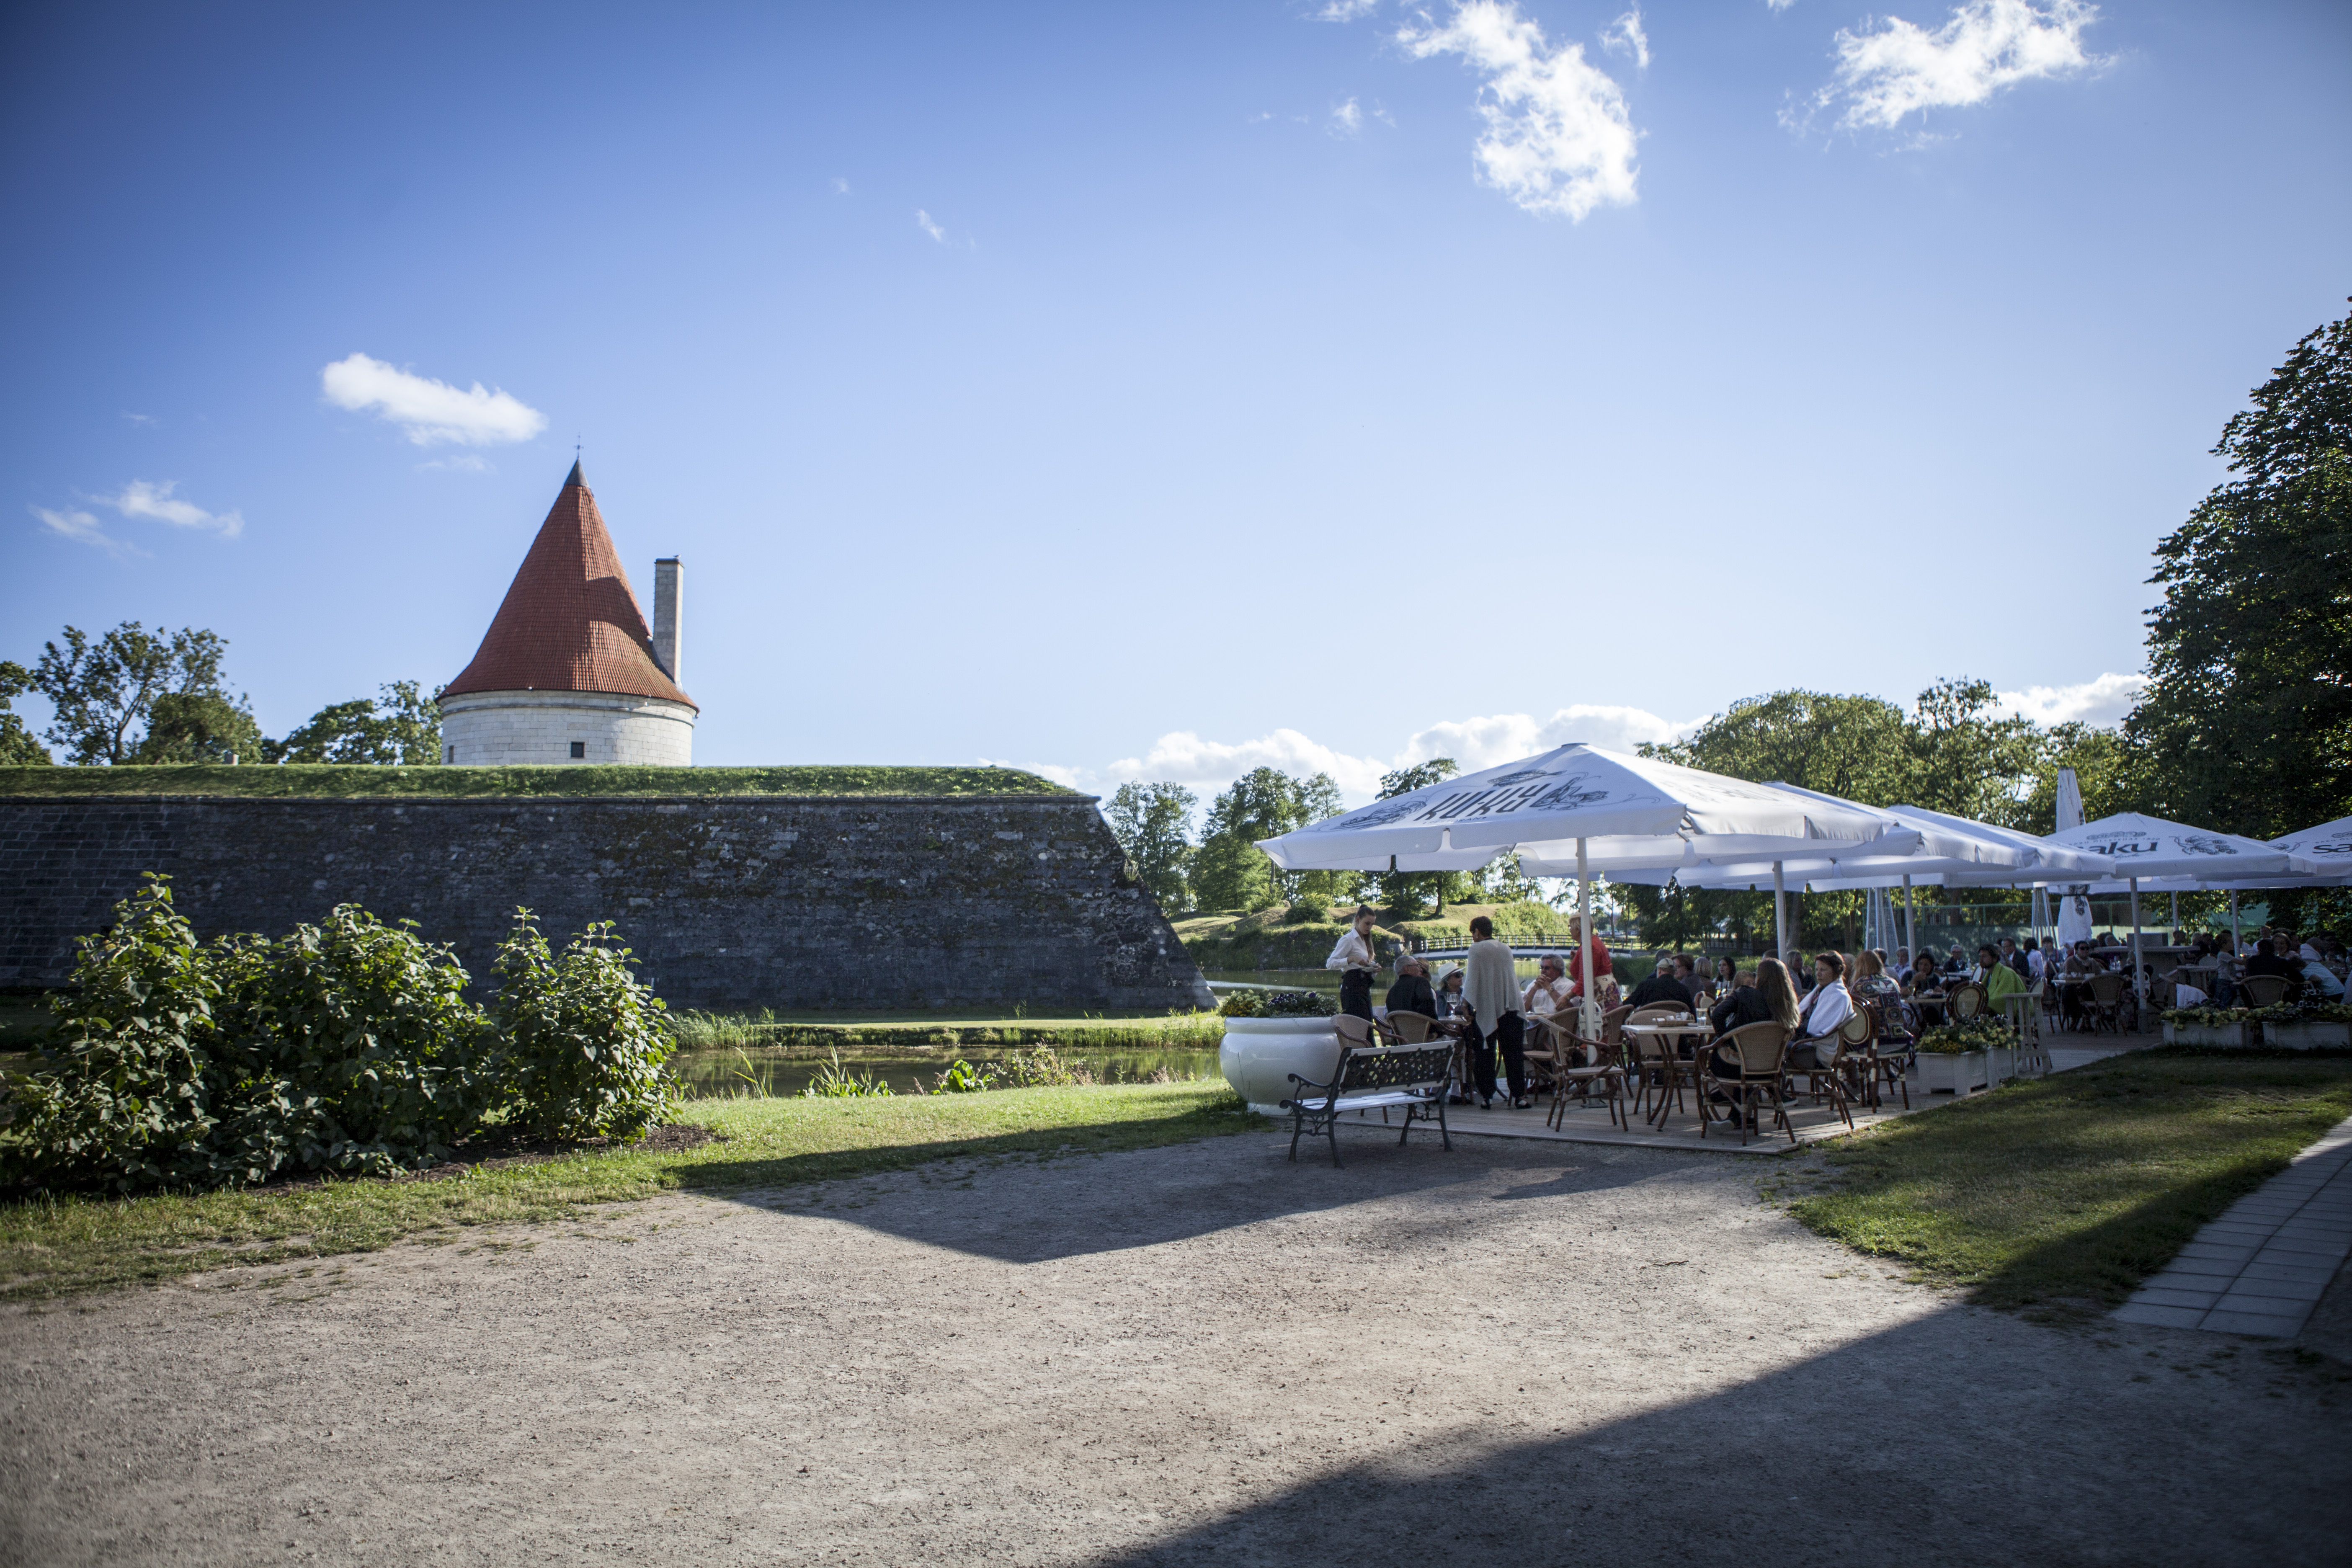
1157	391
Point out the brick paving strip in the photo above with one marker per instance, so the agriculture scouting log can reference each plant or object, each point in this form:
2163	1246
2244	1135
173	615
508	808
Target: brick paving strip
2263	1265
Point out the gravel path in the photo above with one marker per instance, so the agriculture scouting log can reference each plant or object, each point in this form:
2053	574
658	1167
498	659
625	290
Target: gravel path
1514	1354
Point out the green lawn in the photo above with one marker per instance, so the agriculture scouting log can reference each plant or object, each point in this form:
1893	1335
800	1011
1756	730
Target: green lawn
334	779
2067	1192
85	1243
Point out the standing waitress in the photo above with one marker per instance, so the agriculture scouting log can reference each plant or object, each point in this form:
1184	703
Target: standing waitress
1354	958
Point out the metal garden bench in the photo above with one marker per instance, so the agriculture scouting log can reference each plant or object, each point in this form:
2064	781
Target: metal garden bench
1375	1079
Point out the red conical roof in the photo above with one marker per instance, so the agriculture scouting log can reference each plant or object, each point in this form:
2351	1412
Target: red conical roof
570	622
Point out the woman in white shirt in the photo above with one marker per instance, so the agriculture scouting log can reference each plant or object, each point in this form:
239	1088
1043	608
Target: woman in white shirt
1353	957
1827	1006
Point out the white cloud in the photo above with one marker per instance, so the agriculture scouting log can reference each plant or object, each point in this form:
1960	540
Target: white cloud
923	221
840	186
1185	757
1347	120
1900	68
141	418
462	463
429	411
1068	778
83	527
1624	36
1347	10
2101	702
158	504
1779	5
1559	140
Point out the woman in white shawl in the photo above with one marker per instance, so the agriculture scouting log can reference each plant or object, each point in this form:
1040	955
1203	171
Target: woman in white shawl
1492	992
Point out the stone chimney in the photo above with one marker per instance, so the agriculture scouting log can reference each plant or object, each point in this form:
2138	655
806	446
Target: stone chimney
669	612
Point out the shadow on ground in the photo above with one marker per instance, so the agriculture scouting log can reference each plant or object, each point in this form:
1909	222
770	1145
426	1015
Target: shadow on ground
1932	1443
1203	1201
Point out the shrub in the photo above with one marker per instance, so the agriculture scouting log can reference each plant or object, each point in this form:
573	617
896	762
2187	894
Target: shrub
1314	909
1985	1031
580	1042
1255	1004
125	1093
1039	1067
963	1078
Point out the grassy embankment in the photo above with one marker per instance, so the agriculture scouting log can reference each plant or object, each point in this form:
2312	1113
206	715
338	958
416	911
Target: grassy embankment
333	780
816	1034
2063	1194
81	1244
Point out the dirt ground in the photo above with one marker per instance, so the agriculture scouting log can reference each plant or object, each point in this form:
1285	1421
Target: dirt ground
1517	1354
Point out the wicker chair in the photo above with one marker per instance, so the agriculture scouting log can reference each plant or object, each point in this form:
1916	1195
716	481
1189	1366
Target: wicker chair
1892	1051
1762	1052
2107	1001
1835	1054
1603	1078
1412	1029
2264	990
1964	1001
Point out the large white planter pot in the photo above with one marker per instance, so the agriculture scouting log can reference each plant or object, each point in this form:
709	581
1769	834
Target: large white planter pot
2308	1037
2234	1035
1943	1072
2001	1065
1257	1055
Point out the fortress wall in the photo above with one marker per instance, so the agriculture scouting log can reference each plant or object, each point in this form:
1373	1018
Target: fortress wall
851	902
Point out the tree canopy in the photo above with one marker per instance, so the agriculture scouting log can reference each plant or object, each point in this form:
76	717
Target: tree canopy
400	727
2247	721
1152	822
108	693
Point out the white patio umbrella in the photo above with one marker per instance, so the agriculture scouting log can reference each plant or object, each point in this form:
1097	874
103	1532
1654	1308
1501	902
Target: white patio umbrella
1947	851
2138	848
1578	811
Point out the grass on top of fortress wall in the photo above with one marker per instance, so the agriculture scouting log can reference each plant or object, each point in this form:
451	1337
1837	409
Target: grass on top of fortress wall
334	780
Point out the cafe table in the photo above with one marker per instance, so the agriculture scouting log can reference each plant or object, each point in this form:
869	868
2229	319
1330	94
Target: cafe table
1675	1067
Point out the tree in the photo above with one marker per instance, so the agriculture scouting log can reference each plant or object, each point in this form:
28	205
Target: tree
1401	891
103	691
17	746
200	727
402	726
1151	822
2246	724
1230	872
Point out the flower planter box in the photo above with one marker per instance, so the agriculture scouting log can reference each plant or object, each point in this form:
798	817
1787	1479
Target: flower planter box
2001	1065
1257	1054
2236	1036
1944	1072
2308	1037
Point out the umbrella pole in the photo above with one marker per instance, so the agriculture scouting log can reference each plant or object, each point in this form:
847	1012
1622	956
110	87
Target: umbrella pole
1779	912
2233	922
1584	930
1910	930
2175	930
2137	989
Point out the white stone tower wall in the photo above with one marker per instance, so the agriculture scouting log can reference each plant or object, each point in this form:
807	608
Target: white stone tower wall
535	728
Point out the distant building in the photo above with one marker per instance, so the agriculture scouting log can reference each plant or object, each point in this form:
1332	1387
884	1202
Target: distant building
568	672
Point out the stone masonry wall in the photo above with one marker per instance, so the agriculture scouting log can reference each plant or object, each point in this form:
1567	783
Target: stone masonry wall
791	902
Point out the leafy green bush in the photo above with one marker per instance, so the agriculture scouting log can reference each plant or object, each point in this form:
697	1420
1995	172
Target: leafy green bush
2208	1017
581	1041
125	1094
1276	1004
1039	1067
1986	1031
1308	911
963	1078
356	1043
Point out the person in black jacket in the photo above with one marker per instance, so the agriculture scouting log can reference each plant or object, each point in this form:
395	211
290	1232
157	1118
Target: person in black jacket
1744	1005
1412	992
1661	990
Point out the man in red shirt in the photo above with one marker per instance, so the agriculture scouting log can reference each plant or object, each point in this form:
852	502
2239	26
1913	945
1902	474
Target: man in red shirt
1576	956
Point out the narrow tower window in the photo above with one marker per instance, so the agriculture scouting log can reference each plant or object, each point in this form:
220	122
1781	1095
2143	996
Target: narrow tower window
580	748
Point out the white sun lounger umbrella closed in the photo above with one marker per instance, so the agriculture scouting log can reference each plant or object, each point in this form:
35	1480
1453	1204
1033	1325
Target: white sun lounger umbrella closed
1576	811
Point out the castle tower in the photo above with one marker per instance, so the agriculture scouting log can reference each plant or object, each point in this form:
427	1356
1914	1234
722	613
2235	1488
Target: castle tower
568	672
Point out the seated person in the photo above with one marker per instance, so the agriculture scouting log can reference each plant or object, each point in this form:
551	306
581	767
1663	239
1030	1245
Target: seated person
2267	960
1449	995
1958	962
2318	980
1827	1006
1766	997
1549	991
1871	986
1661	989
1699	985
1412	992
1997	978
1925	977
